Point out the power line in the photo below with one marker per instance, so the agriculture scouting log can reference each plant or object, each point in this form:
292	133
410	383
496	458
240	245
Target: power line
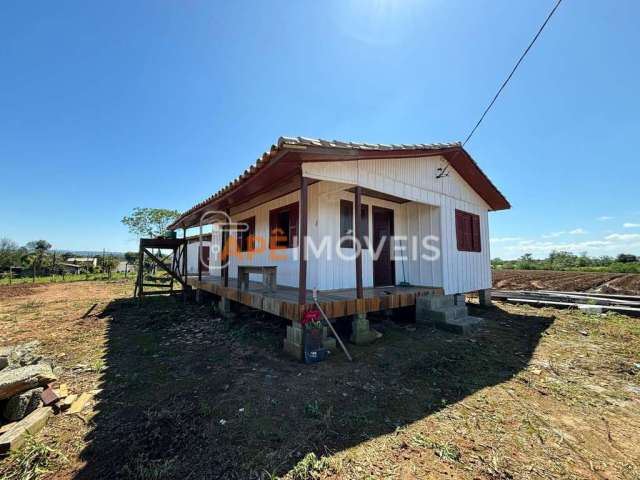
504	84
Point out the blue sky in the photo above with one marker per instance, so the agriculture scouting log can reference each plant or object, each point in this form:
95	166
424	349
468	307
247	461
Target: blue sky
99	98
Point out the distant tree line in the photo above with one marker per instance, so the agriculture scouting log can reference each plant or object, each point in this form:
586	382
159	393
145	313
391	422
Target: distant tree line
37	258
558	260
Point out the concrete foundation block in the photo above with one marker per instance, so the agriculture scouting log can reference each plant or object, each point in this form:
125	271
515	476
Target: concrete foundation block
224	308
361	331
484	297
463	326
293	342
327	341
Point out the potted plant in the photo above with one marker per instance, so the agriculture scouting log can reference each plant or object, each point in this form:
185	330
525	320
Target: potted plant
312	325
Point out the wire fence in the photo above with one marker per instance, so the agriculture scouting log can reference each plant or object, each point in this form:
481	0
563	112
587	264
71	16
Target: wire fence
15	278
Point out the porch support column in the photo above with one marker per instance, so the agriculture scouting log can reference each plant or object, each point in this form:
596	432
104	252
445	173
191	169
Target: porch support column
358	243
302	242
224	254
200	256
484	297
185	267
294	341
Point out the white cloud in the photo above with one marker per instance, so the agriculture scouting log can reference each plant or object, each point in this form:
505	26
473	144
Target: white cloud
553	234
505	239
625	237
631	225
577	231
611	244
604	218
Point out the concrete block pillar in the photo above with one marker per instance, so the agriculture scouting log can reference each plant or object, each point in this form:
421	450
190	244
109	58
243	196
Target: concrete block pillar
327	341
423	310
484	296
459	300
293	342
361	332
224	307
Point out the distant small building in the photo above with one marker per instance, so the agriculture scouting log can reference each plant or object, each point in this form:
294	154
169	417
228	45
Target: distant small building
73	268
126	267
84	261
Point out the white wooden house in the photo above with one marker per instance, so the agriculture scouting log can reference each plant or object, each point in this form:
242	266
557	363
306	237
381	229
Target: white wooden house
423	226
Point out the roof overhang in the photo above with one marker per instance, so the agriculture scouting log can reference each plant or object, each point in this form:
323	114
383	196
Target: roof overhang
280	168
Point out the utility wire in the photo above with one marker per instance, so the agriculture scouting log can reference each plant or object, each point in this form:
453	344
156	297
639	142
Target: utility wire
504	84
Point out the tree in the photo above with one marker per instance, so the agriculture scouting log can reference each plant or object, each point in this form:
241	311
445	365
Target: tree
149	222
526	262
108	263
37	251
131	258
9	254
626	258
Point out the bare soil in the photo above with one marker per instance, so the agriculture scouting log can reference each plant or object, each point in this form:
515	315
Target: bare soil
612	283
536	393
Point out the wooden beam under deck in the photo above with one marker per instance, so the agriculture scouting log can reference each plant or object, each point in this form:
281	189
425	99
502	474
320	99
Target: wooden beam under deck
335	303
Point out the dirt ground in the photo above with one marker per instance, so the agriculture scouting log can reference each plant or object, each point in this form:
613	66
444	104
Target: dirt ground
536	393
610	283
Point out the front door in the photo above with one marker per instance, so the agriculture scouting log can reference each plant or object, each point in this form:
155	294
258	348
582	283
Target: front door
383	268
203	268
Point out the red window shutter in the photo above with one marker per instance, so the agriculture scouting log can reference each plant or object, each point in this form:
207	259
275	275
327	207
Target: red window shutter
459	230
476	233
273	225
467	232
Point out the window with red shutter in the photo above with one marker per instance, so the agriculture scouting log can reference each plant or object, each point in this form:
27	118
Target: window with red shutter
283	226
468	232
246	240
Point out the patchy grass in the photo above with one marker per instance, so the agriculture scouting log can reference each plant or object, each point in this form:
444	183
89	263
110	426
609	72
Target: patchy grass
31	462
181	393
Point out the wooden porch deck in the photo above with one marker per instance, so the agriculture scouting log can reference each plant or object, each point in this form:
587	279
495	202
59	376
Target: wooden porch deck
283	301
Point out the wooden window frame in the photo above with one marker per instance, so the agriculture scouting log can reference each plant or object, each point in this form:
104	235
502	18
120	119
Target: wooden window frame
246	240
292	234
346	236
468	236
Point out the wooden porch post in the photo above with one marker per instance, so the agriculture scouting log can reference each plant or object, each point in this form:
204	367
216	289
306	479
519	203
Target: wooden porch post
200	256
224	254
302	242
358	243
185	270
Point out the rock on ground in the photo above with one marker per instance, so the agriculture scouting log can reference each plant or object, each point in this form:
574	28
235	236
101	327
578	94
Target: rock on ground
21	405
14	381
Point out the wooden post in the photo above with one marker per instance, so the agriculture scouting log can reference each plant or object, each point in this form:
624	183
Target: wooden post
140	276
302	242
185	267
224	254
200	257
358	243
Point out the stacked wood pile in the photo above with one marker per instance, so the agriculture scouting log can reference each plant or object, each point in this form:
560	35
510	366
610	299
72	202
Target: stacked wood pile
27	394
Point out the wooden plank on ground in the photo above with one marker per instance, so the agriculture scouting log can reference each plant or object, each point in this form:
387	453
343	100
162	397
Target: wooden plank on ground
78	405
15	437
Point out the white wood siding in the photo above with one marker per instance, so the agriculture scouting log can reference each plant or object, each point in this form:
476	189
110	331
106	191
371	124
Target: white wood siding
192	255
284	259
415	179
430	211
